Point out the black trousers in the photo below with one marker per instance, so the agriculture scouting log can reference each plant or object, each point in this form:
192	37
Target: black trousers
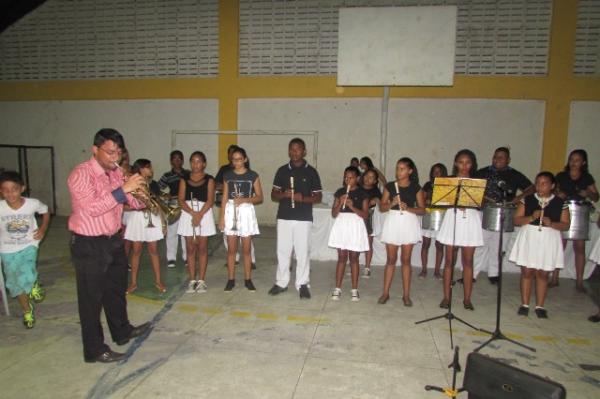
101	272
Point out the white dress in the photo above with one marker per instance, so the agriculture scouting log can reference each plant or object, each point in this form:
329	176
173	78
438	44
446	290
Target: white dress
595	254
401	228
537	249
349	232
468	228
245	220
137	227
207	223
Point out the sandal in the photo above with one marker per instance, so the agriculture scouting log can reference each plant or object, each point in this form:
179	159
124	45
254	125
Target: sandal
437	275
407	302
594	318
131	289
445	304
423	274
161	288
468	305
383	299
553	284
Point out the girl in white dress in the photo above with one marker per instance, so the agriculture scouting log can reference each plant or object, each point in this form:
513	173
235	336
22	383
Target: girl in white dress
403	200
595	257
465	234
144	226
196	198
241	191
349	232
538	247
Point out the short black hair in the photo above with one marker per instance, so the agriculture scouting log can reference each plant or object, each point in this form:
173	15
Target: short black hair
12	176
549	175
106	134
199	154
174	153
352	169
505	150
299	141
139	164
367	161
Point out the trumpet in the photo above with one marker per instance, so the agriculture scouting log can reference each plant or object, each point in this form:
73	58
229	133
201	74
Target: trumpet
153	206
543	206
192	221
236	194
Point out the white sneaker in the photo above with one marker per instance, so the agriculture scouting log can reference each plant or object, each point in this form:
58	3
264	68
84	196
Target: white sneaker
355	296
201	286
336	294
191	287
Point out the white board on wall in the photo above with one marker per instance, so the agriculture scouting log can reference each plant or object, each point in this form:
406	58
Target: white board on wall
396	46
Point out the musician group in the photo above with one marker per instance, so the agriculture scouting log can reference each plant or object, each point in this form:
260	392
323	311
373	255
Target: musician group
117	207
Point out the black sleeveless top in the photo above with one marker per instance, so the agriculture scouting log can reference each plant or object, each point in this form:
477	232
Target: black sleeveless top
408	195
552	210
197	190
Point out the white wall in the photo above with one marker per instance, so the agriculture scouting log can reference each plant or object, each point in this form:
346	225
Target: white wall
69	126
431	131
584	132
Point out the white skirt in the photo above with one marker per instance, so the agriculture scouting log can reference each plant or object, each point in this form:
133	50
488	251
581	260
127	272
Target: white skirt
125	217
207	223
349	232
429	233
595	254
246	223
137	229
537	249
468	228
377	221
401	228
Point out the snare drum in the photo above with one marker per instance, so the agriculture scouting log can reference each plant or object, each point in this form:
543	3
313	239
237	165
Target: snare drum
580	221
432	219
491	217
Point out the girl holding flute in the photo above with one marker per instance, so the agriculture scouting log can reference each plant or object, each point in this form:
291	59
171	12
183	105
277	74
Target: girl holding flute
349	232
241	191
196	198
538	247
403	199
461	229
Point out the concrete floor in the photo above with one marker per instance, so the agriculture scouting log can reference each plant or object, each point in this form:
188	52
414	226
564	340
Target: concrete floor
251	345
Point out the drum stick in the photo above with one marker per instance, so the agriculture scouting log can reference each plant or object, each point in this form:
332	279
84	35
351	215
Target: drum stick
347	191
292	188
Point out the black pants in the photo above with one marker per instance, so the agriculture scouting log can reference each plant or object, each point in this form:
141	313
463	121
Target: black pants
101	272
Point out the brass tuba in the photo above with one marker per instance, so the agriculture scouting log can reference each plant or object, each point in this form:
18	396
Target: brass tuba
169	208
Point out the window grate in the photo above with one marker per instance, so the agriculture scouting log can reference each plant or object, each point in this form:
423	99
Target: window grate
587	40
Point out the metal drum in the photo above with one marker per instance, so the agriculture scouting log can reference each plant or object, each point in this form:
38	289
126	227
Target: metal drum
491	217
432	219
580	221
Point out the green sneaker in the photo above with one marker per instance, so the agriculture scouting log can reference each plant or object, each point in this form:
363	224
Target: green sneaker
37	293
29	318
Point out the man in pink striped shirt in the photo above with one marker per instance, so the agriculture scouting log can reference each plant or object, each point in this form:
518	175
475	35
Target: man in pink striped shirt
98	192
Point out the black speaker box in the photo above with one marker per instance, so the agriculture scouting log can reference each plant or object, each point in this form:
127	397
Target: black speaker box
488	378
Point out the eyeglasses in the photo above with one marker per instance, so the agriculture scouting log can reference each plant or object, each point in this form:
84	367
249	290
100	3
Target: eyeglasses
111	152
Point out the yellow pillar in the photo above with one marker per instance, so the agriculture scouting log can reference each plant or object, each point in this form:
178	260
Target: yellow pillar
560	78
228	73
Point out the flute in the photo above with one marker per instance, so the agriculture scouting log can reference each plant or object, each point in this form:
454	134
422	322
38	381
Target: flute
347	191
236	194
398	195
543	206
292	188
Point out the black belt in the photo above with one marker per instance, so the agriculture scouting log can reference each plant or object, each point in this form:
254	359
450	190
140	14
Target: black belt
103	236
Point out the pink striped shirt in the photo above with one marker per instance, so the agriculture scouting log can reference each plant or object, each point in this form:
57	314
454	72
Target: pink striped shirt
95	211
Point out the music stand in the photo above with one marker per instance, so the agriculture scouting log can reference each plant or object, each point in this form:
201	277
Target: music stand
454	192
497	334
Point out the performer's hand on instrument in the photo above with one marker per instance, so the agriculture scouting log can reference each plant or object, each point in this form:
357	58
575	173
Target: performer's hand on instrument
403	206
583	193
298	197
395	200
133	182
196	217
288	193
221	225
238	201
536	214
546	221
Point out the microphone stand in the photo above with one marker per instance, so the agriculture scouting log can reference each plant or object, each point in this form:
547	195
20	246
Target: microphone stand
497	333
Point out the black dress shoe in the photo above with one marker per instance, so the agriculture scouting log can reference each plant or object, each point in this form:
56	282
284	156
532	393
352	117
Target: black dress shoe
493	280
304	292
594	318
276	290
106	357
135	332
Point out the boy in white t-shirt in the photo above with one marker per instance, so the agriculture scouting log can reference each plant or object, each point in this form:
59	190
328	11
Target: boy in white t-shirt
19	240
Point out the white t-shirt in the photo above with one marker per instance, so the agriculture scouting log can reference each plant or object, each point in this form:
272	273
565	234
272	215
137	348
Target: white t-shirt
17	226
